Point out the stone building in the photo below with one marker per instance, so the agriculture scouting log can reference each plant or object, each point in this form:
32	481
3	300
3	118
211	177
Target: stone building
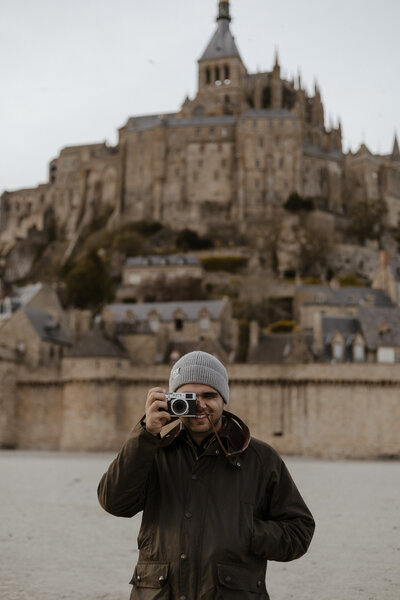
227	158
158	332
387	276
139	270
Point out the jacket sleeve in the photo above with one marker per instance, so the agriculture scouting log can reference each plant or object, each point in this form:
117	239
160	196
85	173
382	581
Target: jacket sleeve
122	489
287	530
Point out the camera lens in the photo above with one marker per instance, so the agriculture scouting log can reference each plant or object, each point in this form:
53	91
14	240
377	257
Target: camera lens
179	407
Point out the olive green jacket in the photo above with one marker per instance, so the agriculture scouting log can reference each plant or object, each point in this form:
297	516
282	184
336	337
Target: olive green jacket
210	523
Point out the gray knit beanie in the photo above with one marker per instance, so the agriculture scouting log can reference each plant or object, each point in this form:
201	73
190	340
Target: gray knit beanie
200	367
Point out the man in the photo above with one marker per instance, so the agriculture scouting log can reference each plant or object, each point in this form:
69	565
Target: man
216	505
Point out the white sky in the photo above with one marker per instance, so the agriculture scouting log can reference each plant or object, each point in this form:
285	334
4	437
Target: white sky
73	72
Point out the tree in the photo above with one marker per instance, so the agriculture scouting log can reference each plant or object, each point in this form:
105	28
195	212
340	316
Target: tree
366	219
88	283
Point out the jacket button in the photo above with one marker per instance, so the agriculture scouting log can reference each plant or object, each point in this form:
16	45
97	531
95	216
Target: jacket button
228	578
138	578
188	515
259	582
217	452
182	597
183	556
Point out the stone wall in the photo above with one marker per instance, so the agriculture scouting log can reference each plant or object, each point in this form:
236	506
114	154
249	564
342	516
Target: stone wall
314	410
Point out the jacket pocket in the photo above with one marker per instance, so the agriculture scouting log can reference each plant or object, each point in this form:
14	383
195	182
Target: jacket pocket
237	582
150	581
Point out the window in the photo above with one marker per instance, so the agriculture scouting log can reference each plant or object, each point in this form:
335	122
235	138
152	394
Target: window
226	72
385	355
178	324
134	278
358	352
217	75
337	351
154	324
204	323
208	76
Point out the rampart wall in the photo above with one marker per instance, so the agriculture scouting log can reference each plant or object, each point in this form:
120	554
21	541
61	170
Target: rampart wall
314	410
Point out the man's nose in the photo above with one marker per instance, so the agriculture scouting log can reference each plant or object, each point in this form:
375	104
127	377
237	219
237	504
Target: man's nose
200	404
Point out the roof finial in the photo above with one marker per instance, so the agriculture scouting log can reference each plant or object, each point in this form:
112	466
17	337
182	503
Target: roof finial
396	149
223	10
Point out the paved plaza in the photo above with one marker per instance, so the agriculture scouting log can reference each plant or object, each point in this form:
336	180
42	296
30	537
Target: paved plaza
57	543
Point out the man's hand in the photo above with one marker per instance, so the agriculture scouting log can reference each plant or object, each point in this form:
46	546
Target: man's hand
156	418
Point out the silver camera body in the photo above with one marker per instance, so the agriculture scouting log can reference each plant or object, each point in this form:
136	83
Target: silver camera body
181	404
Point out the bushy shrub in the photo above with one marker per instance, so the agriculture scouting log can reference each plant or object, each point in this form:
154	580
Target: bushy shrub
296	203
350	280
281	326
190	240
231	264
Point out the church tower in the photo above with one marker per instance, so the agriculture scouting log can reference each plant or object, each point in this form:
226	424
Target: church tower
221	71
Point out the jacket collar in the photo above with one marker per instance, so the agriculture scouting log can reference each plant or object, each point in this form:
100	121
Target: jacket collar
234	432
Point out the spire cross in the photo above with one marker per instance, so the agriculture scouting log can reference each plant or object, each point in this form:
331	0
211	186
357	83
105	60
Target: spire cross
223	10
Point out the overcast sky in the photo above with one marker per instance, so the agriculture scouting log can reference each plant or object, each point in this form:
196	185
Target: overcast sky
73	71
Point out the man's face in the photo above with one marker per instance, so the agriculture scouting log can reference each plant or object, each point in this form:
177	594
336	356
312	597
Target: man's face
208	401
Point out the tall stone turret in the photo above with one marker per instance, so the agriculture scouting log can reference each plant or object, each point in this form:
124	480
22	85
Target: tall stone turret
221	71
276	85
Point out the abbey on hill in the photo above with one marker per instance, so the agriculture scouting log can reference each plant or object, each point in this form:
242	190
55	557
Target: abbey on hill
230	157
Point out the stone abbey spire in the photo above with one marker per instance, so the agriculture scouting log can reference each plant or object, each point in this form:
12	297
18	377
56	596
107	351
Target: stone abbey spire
223	10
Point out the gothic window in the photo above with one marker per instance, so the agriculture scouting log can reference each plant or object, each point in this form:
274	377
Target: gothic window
208	76
261	142
217	74
288	99
266	98
227	99
226	73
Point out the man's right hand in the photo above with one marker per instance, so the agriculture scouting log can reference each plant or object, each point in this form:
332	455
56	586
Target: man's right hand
156	418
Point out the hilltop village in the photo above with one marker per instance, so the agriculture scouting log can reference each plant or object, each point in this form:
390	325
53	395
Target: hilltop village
236	225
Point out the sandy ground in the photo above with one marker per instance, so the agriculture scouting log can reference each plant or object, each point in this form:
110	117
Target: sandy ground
57	543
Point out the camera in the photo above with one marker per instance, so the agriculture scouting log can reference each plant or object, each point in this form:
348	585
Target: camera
181	404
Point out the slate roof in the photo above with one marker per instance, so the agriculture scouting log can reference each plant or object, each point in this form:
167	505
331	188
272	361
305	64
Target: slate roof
174	120
315	151
166	310
344	296
96	345
275	348
347	326
222	44
268	113
46	326
271	349
159	261
380	326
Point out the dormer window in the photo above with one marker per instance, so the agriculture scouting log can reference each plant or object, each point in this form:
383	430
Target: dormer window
178	324
337	351
358	353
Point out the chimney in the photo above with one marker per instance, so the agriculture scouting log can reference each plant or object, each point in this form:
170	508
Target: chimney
384	259
254	334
